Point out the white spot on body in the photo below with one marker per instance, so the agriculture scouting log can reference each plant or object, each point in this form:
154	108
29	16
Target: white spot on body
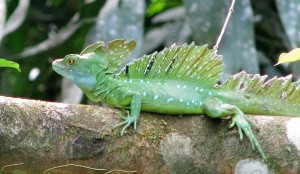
144	93
142	81
181	100
201	89
209	93
178	86
155	97
196	88
184	86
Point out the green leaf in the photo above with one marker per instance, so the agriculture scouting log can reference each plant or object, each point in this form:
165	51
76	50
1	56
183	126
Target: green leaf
292	56
157	6
9	64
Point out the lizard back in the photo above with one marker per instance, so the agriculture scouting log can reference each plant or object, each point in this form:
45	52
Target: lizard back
186	63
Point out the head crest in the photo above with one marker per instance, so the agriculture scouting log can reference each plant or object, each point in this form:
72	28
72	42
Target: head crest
114	53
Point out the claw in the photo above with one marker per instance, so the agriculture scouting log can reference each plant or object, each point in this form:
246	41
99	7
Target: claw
124	128
128	121
251	122
242	122
231	125
215	108
241	134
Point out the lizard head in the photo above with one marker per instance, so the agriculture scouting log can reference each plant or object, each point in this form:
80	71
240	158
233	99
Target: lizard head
79	69
83	69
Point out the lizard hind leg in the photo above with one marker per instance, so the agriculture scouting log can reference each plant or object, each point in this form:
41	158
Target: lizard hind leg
215	108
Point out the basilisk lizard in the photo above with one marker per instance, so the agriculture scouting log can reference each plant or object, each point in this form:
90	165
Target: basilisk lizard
178	80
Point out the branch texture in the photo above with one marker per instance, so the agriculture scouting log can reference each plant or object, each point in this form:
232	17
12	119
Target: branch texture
42	135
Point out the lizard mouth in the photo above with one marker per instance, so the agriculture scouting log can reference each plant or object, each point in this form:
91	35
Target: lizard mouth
69	71
64	70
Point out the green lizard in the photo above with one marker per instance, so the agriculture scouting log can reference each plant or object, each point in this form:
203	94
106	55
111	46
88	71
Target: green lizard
178	80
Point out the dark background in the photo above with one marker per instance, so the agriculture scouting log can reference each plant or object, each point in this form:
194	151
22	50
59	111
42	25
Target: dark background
257	33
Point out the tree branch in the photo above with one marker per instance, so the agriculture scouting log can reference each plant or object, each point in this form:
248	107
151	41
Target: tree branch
17	18
59	38
2	17
54	134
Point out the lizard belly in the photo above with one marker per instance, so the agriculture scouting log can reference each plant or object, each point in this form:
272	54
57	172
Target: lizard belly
164	98
171	99
165	108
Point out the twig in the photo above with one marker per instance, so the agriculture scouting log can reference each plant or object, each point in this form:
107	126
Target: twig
10	165
90	168
224	26
124	171
76	165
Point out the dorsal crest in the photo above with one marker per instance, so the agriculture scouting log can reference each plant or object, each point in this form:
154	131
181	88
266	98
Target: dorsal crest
281	88
191	63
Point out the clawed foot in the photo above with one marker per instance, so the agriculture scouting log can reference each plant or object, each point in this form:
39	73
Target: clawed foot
128	121
242	123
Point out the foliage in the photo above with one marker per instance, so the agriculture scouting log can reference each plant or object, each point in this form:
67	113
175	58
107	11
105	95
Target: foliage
9	64
292	56
257	33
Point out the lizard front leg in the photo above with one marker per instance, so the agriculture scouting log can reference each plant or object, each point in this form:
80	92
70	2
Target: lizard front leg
215	108
133	116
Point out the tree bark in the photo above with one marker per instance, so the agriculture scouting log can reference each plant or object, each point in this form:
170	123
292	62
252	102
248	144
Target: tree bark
43	134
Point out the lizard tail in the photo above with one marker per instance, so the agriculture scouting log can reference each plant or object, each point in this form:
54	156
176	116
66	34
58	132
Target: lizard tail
253	94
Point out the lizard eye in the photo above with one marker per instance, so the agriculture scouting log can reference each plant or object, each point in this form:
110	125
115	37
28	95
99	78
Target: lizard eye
71	61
